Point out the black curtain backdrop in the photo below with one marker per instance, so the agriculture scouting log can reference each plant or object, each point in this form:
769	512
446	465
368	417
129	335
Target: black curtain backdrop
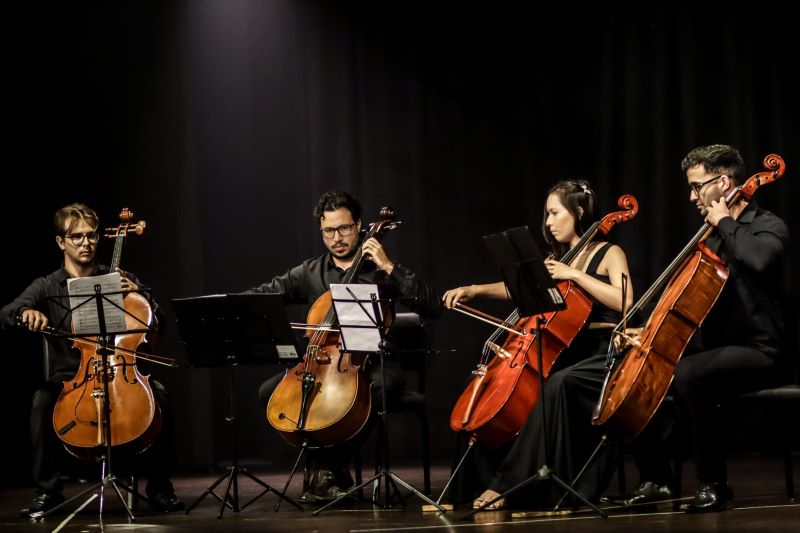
221	123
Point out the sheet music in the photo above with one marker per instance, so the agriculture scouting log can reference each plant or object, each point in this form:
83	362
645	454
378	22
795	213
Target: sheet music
359	325
85	320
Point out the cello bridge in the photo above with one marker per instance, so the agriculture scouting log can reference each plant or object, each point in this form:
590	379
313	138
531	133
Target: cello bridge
480	370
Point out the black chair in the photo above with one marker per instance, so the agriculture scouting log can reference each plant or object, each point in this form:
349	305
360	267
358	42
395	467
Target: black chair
409	345
783	405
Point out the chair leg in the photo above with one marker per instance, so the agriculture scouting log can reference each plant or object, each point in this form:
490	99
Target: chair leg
357	465
621	472
133	498
426	453
788	469
357	469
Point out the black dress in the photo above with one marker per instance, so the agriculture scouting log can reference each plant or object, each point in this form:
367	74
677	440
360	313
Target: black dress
569	397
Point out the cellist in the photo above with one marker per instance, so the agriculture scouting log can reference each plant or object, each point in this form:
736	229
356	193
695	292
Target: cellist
76	230
576	377
339	218
737	348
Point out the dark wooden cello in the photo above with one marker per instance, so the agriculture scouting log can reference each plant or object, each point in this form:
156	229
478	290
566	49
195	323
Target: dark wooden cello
108	380
498	400
325	399
637	385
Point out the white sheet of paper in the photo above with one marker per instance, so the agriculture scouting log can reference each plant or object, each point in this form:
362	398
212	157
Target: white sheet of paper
357	324
85	320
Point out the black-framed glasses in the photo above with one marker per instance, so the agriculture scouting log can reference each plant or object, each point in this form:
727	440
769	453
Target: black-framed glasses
698	185
77	238
344	230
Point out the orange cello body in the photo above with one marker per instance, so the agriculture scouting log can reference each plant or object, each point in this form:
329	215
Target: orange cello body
640	383
325	399
503	392
337	402
637	385
135	417
79	417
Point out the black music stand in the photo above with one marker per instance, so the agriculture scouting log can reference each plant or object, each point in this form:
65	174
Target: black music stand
84	314
534	292
231	330
360	320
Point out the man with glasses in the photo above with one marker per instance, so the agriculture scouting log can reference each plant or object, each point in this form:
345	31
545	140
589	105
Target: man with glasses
339	217
737	349
42	304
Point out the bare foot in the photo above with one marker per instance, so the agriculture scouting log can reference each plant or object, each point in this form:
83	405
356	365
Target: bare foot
489	495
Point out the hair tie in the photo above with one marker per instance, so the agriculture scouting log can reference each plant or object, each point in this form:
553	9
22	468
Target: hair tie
586	189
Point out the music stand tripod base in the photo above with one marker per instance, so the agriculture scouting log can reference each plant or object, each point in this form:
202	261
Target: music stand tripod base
359	316
231	330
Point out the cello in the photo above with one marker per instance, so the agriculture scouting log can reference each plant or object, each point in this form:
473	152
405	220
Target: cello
498	400
635	388
325	399
108	380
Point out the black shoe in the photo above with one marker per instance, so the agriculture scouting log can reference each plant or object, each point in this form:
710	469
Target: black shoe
321	487
646	493
166	502
41	504
710	497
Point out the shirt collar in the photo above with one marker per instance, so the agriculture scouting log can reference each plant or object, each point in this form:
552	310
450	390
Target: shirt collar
748	214
62	275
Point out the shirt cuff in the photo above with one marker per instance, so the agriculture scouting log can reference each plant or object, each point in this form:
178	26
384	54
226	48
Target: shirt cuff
726	227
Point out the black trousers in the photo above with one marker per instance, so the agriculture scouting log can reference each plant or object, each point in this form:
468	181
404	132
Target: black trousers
337	457
703	381
565	421
49	456
570	394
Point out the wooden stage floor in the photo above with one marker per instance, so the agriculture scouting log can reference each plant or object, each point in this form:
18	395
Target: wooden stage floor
760	505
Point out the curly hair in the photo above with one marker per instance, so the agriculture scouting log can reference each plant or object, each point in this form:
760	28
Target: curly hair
333	200
716	159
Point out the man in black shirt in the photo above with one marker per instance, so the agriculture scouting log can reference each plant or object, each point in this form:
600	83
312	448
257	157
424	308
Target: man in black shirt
737	349
42	304
339	216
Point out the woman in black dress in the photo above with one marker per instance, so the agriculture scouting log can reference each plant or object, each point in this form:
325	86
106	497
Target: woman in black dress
573	388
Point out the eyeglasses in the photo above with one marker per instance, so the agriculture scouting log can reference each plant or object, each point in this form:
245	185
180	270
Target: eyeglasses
77	238
344	230
698	185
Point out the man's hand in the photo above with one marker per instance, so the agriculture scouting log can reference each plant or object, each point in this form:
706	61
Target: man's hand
373	250
34	320
127	284
717	211
623	341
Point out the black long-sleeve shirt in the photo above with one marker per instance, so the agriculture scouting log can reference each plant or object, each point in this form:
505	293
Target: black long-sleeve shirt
307	281
748	312
48	295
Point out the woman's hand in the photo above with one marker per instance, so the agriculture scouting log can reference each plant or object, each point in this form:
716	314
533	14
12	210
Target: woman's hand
559	270
459	294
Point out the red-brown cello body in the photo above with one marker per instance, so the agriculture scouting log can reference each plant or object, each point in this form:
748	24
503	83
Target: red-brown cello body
499	399
135	420
697	276
325	399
